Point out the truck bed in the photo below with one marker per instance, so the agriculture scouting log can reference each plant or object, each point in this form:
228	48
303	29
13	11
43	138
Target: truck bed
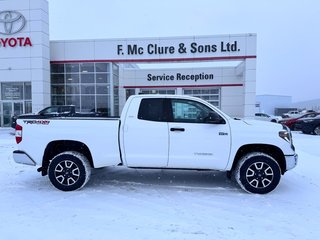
100	135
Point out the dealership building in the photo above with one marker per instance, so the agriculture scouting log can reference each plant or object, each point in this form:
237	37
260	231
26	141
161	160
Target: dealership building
102	73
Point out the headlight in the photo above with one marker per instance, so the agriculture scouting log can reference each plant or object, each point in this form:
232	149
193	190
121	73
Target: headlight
285	135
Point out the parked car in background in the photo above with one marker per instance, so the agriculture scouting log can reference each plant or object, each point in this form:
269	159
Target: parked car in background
291	122
309	125
292	114
266	117
60	111
52	111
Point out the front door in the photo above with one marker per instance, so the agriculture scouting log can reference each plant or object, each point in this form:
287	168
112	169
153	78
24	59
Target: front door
194	143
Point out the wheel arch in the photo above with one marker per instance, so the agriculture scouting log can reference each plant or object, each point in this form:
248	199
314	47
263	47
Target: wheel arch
270	150
56	147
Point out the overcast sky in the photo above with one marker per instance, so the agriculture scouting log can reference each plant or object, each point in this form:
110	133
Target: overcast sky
288	32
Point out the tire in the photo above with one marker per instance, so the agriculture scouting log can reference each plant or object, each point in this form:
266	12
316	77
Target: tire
257	173
69	171
316	130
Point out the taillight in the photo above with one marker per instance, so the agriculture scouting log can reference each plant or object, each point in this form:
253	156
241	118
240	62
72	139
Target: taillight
18	133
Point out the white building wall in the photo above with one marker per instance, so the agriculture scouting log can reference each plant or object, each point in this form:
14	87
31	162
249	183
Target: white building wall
232	101
249	90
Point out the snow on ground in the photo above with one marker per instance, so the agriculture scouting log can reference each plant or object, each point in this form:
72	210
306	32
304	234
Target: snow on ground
120	203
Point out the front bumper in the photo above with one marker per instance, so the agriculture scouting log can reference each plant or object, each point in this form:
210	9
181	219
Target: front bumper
23	158
291	161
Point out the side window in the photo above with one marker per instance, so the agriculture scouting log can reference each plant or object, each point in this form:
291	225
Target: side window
189	111
152	109
65	109
49	110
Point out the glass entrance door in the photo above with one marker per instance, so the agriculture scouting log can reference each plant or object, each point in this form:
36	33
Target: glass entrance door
8	110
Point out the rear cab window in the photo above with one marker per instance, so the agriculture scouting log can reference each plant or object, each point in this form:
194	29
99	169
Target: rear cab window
154	109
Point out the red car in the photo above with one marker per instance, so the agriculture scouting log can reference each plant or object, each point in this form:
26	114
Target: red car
291	122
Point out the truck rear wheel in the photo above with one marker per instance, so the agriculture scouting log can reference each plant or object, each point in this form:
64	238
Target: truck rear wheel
69	171
257	173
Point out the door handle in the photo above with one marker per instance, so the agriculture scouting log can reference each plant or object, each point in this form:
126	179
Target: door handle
177	129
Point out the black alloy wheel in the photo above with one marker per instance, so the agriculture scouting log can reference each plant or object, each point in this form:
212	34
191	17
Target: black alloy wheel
69	171
257	173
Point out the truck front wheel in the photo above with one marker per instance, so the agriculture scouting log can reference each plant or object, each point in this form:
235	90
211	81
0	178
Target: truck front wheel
69	171
257	173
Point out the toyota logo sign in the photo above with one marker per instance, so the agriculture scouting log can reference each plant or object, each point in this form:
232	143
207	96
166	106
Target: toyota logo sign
11	22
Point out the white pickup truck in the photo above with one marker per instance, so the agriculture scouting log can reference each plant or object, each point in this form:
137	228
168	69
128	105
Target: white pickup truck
157	131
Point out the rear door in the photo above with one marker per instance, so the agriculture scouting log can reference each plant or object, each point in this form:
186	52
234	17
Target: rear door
195	143
145	133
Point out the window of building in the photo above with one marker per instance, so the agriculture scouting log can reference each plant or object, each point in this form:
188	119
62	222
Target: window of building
88	86
87	78
86	67
57	78
88	103
130	92
211	95
102	67
16	91
11	91
15	99
157	91
57	68
72	67
72	78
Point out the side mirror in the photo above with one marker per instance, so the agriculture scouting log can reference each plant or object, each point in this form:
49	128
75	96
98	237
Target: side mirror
214	118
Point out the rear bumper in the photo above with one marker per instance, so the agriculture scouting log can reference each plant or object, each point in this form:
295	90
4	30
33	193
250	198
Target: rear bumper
23	158
291	161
